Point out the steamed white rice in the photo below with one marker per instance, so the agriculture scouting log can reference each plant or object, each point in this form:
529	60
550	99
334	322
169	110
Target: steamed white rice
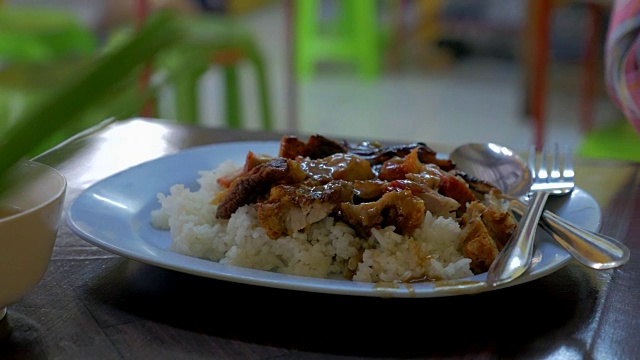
326	249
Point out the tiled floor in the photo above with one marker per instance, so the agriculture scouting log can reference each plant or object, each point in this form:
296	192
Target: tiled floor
476	100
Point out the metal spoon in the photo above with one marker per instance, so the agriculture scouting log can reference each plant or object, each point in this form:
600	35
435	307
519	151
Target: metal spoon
503	168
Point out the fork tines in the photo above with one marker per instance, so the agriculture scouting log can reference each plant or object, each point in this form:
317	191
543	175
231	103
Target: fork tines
551	169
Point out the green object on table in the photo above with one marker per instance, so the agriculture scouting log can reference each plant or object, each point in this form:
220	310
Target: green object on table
352	36
617	141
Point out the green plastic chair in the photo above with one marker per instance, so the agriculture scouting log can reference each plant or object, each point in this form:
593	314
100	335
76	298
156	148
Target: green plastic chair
212	41
352	36
215	41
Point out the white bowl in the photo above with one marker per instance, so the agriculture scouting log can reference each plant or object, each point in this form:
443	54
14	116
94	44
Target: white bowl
30	214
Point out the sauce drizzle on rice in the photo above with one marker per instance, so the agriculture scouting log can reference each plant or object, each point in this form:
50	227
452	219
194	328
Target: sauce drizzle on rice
325	208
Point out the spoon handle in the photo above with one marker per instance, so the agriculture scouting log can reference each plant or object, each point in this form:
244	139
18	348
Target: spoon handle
515	257
592	249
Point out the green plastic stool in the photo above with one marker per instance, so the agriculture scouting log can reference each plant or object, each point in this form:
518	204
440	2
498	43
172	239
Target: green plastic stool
210	39
215	41
353	36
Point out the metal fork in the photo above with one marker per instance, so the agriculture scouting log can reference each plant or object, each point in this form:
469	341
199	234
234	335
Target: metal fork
516	256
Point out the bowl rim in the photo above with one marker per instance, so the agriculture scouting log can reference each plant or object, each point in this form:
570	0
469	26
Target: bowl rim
53	198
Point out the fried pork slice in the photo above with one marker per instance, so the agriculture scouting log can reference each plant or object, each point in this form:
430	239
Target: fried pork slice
398	208
480	188
429	156
478	246
251	186
485	232
500	224
456	188
434	202
316	147
421	185
369	190
398	168
377	154
252	160
292	208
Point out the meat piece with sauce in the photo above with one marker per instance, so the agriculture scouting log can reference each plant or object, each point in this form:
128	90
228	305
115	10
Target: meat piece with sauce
500	225
399	208
485	232
367	186
338	166
316	147
478	246
249	187
431	175
478	187
251	160
434	202
457	189
292	208
368	190
378	154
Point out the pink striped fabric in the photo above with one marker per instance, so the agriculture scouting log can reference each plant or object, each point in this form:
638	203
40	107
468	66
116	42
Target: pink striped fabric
622	58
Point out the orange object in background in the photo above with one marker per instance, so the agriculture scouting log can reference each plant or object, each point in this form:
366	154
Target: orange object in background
537	59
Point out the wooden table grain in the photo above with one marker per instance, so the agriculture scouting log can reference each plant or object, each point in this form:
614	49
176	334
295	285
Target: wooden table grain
93	304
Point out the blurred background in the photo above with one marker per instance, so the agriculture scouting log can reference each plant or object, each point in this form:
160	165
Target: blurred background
513	72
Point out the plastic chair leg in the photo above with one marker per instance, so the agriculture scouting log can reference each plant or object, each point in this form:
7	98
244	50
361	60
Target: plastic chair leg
186	94
232	98
186	97
590	65
305	29
263	90
366	31
541	42
233	105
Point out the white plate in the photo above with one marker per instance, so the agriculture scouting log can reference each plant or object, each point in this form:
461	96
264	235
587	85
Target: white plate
114	214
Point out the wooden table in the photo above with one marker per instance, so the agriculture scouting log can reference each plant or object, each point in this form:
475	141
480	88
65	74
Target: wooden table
94	304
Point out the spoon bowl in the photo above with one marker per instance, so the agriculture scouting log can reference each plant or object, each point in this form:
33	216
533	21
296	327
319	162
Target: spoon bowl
495	164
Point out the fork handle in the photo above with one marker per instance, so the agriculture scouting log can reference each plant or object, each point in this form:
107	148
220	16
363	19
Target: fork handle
592	249
515	257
